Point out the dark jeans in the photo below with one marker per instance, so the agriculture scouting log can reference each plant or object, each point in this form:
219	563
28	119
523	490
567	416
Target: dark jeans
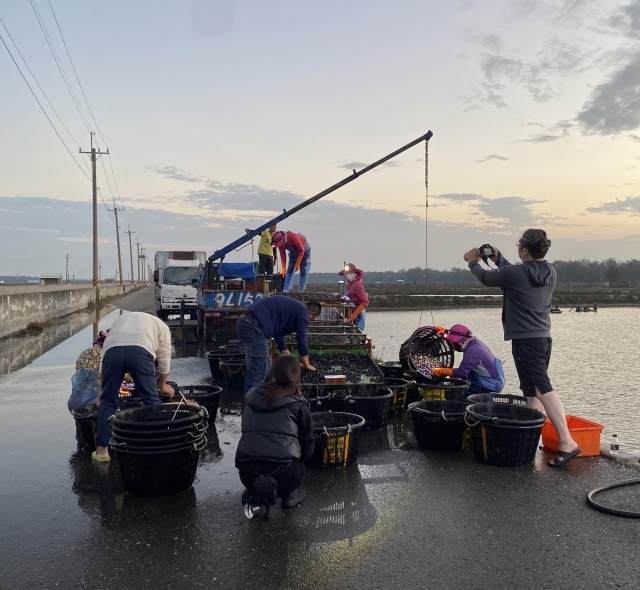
265	264
256	351
288	478
139	363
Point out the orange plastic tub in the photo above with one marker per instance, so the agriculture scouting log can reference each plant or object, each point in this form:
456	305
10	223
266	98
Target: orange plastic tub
585	432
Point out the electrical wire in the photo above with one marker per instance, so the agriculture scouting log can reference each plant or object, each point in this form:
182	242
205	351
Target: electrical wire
426	227
42	108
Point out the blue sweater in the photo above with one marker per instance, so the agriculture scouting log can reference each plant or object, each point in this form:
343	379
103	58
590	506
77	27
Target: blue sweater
477	357
280	316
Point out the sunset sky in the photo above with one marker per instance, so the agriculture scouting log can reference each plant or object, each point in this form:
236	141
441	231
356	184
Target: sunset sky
220	113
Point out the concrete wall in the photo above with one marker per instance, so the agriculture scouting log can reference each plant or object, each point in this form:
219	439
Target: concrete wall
21	305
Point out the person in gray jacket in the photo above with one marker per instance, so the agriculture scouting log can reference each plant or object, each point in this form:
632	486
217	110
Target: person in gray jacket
527	289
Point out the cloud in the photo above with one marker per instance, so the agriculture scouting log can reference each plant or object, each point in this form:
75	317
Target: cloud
493	157
628	205
176	174
544	138
460	197
357	165
634	137
627	20
614	106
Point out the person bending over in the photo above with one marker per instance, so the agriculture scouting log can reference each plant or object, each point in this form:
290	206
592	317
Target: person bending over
527	289
478	366
277	434
299	258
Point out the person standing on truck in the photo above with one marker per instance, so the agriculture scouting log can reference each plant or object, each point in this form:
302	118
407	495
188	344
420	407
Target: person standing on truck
273	317
357	294
527	290
135	343
299	258
265	251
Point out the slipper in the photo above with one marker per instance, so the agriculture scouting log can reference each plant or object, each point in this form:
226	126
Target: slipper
564	457
95	457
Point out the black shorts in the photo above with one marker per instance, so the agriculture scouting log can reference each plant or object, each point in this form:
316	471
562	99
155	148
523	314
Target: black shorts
531	356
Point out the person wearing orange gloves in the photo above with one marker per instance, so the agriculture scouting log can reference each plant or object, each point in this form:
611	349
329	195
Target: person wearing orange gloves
299	258
357	294
479	366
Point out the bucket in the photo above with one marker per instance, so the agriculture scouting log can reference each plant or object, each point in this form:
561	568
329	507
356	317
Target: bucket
443	389
425	350
208	396
497	398
163	433
86	421
316	397
158	417
233	372
159	473
370	403
337	439
400	388
143	445
505	435
215	356
439	425
391	368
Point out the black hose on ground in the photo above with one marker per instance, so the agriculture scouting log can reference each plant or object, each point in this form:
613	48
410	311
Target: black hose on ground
607	509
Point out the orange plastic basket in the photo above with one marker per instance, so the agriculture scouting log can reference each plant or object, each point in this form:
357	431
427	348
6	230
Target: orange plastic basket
585	432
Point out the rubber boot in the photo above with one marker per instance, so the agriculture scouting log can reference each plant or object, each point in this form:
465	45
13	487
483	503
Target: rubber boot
294	498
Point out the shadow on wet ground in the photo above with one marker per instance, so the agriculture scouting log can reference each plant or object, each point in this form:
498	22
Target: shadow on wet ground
401	517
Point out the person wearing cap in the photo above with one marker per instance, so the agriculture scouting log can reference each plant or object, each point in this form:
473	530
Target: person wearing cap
357	294
527	289
136	342
265	251
479	366
299	258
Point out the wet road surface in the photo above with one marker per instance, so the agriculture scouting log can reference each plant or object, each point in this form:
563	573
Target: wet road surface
400	518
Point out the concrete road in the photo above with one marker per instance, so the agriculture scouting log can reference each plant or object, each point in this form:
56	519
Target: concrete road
142	300
401	518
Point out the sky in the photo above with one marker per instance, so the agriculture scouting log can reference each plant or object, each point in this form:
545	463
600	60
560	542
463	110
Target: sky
219	114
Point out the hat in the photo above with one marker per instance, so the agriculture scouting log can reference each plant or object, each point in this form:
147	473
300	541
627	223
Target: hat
458	334
350	267
278	239
101	337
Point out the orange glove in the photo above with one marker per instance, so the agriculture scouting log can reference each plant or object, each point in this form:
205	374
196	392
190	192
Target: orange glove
296	268
283	272
442	372
356	312
440	329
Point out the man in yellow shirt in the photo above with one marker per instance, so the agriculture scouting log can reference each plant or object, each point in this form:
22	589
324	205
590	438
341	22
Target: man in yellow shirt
265	251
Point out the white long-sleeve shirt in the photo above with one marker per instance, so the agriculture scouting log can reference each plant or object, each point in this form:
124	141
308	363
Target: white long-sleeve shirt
145	330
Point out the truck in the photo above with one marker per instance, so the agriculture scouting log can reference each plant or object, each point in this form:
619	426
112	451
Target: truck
176	278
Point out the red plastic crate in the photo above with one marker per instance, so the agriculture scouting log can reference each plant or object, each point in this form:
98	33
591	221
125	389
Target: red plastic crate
585	432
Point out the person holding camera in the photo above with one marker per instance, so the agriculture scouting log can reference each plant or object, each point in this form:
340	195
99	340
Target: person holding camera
479	366
527	289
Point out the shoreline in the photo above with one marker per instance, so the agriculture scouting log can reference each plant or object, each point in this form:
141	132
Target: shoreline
499	305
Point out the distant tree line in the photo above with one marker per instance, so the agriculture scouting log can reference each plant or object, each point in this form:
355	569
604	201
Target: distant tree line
608	271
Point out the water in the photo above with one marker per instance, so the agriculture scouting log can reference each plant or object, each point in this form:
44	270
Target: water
593	365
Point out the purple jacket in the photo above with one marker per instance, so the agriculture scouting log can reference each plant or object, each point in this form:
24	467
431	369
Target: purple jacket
477	357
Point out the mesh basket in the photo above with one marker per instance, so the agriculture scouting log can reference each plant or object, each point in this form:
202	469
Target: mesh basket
443	389
504	435
400	388
86	426
391	369
371	404
233	372
317	397
216	356
337	439
208	396
158	417
425	350
497	398
439	425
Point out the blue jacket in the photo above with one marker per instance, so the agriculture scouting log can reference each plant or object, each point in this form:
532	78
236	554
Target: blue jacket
280	316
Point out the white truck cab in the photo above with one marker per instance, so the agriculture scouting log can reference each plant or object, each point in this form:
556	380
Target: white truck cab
174	276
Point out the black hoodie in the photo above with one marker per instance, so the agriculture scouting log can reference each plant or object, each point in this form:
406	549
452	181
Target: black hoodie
527	291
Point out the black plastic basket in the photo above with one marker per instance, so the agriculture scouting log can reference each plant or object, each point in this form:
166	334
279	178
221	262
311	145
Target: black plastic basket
86	421
194	428
215	356
370	403
158	473
208	396
233	372
391	369
443	389
337	439
158	417
425	350
183	438
504	435
317	397
497	398
439	425
400	388
143	445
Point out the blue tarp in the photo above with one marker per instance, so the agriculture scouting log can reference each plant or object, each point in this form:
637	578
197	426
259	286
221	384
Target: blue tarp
238	270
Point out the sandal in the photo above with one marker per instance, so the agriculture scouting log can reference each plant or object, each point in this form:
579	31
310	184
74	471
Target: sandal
564	457
95	457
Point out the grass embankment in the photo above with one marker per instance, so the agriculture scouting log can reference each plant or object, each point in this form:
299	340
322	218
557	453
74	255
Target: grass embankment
408	295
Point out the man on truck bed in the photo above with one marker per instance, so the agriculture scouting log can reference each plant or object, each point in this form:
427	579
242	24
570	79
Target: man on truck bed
299	258
265	251
274	317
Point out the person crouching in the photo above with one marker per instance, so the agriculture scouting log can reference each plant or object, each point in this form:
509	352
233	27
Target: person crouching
277	434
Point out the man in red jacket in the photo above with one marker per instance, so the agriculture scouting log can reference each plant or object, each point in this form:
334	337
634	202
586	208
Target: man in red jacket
299	257
357	294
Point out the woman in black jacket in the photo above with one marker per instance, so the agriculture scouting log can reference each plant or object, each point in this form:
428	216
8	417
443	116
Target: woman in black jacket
277	434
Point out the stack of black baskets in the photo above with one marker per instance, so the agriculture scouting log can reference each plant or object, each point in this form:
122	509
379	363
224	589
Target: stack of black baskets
369	401
158	447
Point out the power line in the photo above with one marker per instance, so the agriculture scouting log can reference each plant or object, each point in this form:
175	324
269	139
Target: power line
58	63
42	108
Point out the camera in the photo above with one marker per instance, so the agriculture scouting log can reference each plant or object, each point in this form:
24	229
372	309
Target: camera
485	251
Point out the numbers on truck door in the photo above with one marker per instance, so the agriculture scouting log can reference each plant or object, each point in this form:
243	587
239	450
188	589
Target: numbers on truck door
237	298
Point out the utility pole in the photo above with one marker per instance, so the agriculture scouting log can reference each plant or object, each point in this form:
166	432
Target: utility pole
138	245
66	272
115	211
130	251
100	270
94	158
